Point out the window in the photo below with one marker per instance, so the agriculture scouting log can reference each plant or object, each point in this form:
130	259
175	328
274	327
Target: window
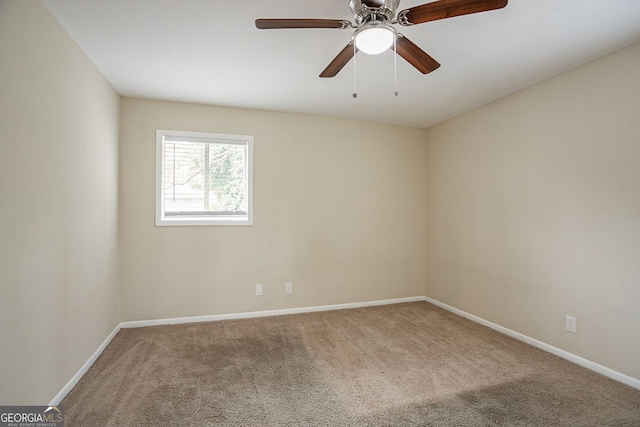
203	178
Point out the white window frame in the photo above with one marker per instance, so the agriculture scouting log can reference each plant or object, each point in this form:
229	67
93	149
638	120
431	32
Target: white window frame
161	219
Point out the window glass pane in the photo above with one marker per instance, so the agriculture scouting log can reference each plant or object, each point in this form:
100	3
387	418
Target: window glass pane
205	177
228	177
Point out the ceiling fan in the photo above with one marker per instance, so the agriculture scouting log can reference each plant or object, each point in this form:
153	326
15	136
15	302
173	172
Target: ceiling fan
375	33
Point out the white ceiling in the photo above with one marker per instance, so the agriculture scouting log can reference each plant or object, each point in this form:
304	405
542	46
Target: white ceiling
209	52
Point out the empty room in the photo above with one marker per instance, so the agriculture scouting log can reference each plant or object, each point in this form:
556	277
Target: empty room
337	213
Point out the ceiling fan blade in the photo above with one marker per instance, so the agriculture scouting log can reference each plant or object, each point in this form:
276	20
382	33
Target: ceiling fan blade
414	55
272	24
339	61
442	9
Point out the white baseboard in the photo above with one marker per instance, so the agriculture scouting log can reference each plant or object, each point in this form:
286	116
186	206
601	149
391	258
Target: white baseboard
607	372
625	379
83	370
266	313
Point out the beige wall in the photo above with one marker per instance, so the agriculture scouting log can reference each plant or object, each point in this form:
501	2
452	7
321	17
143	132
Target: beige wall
58	215
533	211
339	212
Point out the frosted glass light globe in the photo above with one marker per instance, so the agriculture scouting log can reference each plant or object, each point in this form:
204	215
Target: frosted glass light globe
374	39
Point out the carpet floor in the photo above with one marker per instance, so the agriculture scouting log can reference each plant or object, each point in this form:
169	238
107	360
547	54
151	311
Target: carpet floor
410	364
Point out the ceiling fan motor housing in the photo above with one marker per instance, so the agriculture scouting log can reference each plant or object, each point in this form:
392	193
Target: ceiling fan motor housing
366	11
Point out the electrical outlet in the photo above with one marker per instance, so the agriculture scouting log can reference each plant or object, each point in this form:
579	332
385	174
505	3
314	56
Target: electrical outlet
288	288
570	324
258	290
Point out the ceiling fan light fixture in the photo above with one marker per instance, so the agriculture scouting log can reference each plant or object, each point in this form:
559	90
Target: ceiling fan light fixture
374	38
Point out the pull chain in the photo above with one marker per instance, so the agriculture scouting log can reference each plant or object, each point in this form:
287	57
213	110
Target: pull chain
395	67
355	83
395	70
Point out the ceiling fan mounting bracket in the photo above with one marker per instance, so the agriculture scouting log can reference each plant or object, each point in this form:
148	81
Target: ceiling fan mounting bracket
402	18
